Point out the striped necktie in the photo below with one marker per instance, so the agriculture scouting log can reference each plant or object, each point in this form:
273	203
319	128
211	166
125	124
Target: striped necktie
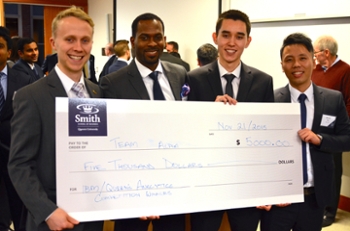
78	89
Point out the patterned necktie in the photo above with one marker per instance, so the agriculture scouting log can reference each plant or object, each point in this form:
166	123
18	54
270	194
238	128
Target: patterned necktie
157	91
78	89
302	98
229	89
2	96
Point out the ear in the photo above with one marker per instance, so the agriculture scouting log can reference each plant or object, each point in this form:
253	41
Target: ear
53	44
9	53
132	41
282	66
314	62
164	42
249	39
214	35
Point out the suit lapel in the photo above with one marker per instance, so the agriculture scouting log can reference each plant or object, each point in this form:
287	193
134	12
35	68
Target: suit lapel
214	78
136	81
245	83
319	102
173	81
283	95
92	89
56	88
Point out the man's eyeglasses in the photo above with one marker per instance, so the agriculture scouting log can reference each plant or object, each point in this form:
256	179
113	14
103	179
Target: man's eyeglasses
316	52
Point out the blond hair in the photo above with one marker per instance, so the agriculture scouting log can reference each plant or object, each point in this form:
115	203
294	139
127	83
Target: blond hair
73	11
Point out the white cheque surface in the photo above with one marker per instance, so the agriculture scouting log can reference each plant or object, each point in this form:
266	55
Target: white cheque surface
162	157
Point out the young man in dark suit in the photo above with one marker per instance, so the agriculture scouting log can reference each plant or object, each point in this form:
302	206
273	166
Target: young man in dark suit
325	130
229	80
10	81
147	78
32	155
28	53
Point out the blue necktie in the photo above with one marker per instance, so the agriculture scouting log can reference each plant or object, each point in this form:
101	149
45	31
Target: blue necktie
302	98
2	96
157	91
36	73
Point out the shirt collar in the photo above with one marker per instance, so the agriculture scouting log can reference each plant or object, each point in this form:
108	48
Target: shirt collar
5	71
66	81
236	72
145	71
294	93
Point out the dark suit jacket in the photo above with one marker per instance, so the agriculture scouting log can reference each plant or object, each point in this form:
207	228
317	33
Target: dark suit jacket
335	139
15	81
92	69
172	59
255	85
127	83
23	66
116	65
49	63
32	156
106	66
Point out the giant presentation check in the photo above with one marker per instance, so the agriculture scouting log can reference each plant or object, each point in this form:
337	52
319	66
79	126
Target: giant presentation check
131	158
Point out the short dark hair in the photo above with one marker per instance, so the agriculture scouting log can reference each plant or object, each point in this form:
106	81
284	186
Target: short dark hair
297	38
234	15
207	53
24	41
145	16
174	44
5	34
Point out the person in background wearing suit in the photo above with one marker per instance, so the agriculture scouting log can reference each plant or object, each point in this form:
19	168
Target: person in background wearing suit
32	154
332	73
122	50
206	54
10	81
14	51
49	63
110	53
148	78
229	80
325	130
172	48
28	53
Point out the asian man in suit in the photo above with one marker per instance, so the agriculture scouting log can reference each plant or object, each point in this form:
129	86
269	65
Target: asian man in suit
11	81
32	154
325	129
28	53
229	80
148	78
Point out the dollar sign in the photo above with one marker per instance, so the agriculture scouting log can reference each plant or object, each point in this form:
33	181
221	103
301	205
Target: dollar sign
238	143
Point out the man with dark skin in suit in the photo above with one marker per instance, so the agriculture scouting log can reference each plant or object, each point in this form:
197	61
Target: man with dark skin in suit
135	82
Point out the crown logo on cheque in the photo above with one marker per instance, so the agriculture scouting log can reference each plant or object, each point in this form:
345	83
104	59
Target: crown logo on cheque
87	108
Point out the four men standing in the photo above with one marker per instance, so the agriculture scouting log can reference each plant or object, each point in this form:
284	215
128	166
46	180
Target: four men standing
228	80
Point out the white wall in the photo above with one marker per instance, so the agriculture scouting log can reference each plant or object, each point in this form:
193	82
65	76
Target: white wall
190	26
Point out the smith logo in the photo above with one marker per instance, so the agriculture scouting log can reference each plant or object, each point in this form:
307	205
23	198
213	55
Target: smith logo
87	114
87	117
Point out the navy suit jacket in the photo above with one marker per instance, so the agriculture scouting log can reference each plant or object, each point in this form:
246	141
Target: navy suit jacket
335	139
106	66
49	63
127	83
116	65
23	66
32	163
255	85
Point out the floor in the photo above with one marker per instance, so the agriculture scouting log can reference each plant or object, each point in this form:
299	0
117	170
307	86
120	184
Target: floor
342	223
